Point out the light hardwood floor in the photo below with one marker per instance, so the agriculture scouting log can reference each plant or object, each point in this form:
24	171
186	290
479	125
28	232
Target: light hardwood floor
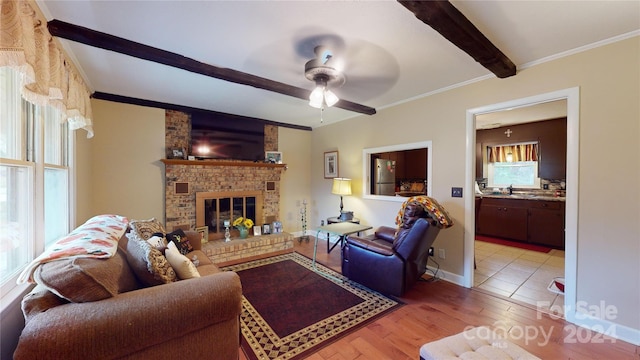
434	310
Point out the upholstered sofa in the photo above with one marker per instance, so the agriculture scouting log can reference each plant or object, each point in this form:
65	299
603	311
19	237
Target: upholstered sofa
90	308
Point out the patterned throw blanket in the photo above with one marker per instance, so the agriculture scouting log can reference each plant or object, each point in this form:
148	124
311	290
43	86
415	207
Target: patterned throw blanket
432	206
97	238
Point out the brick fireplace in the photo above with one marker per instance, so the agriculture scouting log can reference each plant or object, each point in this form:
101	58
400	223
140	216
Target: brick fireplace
184	179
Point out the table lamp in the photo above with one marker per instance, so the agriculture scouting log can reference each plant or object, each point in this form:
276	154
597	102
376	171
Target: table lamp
342	186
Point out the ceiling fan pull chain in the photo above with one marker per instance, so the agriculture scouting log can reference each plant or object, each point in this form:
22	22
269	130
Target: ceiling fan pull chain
321	113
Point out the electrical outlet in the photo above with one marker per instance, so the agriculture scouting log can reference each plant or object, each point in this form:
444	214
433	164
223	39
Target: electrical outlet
441	253
456	192
321	222
431	251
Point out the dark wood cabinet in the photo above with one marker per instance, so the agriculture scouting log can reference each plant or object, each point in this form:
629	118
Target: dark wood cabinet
553	153
503	218
411	165
546	223
534	221
415	164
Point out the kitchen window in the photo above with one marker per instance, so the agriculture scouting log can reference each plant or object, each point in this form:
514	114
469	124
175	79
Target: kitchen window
520	174
513	165
35	145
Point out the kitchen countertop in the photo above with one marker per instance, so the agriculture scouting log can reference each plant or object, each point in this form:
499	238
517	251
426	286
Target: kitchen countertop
545	197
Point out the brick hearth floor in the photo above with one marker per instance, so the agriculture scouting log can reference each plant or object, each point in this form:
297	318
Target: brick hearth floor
222	253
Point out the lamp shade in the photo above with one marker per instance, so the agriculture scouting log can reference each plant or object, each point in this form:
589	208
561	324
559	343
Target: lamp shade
341	186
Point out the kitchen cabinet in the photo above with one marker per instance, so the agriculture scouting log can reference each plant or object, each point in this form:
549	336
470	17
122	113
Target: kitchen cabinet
553	153
533	221
415	164
545	225
411	165
503	218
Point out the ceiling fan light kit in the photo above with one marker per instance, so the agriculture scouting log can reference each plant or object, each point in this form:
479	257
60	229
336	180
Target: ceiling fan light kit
319	71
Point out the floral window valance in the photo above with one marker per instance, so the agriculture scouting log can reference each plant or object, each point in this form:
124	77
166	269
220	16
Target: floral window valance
48	77
513	153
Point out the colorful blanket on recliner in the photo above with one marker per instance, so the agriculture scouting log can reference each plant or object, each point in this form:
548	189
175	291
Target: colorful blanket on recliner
96	238
432	206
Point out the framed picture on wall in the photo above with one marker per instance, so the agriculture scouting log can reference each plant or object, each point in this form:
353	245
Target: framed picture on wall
330	164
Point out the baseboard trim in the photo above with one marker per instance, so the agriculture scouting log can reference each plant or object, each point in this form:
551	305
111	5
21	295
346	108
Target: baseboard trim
602	326
447	276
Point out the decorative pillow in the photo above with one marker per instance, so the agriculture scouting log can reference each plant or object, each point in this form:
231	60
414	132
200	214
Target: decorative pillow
179	238
144	229
96	238
431	205
158	242
180	263
148	263
85	279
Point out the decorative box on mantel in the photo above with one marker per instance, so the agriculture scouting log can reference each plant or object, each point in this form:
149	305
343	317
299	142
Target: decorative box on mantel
185	178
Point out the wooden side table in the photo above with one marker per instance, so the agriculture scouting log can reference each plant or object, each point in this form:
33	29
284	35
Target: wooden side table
336	220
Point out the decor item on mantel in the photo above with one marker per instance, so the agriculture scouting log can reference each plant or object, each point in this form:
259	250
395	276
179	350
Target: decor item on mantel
243	225
342	186
273	157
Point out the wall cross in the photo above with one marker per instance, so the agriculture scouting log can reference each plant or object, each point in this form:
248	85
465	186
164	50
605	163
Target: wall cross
508	132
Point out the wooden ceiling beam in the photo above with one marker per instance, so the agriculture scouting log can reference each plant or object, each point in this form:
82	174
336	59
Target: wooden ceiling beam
141	51
443	17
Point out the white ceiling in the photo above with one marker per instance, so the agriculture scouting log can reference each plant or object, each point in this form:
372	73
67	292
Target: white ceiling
389	55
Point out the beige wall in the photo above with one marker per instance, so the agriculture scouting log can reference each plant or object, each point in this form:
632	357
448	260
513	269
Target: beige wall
295	184
126	173
609	198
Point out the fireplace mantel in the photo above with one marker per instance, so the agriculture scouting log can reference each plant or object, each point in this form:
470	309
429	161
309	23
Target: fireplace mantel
221	163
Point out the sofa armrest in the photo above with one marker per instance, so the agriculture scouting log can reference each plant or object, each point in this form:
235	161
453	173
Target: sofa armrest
132	321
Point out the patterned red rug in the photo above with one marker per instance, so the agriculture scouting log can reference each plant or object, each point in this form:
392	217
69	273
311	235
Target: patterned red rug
532	247
290	311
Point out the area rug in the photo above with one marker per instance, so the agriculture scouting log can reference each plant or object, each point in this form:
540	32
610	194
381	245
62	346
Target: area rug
532	247
290	311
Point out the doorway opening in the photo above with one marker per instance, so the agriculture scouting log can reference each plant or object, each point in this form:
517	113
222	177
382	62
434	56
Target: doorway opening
571	96
519	203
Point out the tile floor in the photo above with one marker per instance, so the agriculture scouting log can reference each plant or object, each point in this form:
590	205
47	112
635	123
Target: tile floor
522	275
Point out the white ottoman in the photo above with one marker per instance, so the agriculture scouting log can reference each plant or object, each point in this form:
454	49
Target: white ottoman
475	344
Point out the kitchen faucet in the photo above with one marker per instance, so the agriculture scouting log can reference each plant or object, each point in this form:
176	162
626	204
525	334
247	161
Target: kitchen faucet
510	189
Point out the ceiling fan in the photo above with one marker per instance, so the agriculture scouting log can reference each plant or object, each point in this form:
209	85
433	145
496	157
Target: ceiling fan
323	70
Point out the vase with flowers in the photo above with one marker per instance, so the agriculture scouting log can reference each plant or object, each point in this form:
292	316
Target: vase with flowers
243	225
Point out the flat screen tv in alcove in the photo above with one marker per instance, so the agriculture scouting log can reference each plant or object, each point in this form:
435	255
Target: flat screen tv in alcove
223	136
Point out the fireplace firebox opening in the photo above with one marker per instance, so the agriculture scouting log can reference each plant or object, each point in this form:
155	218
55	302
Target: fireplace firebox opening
213	208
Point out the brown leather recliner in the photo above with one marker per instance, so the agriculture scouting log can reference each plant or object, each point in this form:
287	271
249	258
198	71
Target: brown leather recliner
390	262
